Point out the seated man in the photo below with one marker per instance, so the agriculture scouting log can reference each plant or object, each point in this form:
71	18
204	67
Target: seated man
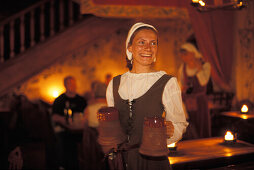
70	99
66	142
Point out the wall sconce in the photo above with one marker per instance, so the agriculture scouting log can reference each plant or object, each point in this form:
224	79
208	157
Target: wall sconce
208	5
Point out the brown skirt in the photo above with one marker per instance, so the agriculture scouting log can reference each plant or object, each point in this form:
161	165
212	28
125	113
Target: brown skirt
135	161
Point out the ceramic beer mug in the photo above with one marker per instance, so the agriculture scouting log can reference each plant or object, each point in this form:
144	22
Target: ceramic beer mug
154	140
110	131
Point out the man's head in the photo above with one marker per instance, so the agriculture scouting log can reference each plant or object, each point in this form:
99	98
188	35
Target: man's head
70	84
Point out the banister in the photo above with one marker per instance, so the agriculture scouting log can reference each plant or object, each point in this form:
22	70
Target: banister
23	12
31	32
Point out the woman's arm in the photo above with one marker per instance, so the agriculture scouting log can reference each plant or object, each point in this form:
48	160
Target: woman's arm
109	94
204	73
172	101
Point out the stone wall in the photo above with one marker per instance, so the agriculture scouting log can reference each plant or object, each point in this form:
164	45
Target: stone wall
106	55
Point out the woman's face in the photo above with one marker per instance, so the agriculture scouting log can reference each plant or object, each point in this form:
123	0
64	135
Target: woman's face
144	47
188	57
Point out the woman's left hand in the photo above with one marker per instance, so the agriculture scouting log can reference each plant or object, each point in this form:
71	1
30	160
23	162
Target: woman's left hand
169	129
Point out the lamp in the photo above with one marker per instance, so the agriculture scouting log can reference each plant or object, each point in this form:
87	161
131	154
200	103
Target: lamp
208	5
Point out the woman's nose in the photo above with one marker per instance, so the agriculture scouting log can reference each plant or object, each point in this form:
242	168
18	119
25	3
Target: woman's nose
148	46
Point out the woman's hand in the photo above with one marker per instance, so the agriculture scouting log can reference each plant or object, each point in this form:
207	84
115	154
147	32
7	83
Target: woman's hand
169	129
15	159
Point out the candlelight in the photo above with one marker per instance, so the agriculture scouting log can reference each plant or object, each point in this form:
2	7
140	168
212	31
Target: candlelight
172	145
244	116
244	108
202	3
240	4
69	112
229	136
195	1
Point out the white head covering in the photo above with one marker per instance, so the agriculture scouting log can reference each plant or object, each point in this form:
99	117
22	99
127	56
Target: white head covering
191	48
131	31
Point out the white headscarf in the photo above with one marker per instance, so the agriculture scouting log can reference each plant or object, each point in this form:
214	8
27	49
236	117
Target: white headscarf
131	31
191	48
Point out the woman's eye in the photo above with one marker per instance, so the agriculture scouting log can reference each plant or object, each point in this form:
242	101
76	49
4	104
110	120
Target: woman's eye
153	43
141	42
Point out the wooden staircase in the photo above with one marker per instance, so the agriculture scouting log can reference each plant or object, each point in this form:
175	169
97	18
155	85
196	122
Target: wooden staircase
35	38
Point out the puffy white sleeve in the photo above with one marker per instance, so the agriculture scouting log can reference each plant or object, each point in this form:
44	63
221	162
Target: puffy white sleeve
204	74
109	94
172	101
180	76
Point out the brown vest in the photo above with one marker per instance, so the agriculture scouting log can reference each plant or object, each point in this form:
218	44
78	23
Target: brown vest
132	115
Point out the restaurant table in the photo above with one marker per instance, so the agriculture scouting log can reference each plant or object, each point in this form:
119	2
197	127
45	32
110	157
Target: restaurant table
210	153
237	114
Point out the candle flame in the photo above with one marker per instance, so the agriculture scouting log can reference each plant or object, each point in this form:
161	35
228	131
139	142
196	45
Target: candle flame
240	4
195	1
69	112
202	3
244	108
229	136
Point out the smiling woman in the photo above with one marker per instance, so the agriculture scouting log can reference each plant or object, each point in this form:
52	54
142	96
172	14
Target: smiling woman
145	92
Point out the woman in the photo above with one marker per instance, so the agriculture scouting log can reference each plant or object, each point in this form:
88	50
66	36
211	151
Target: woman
144	91
194	75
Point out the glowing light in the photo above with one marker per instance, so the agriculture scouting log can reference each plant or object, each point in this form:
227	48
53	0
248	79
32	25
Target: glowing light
55	91
172	145
228	154
229	136
244	116
195	1
244	108
55	94
52	91
202	3
69	112
240	4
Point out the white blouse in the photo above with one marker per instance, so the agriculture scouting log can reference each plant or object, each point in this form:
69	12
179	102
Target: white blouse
134	85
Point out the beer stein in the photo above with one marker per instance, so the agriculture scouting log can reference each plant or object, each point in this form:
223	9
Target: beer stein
110	131
154	140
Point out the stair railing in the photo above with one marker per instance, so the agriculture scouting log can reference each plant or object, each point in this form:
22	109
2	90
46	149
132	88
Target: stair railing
33	25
